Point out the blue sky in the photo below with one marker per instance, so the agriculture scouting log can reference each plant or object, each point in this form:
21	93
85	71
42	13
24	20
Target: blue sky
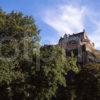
56	17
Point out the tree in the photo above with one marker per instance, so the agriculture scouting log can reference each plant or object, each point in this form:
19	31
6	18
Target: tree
68	92
16	47
51	74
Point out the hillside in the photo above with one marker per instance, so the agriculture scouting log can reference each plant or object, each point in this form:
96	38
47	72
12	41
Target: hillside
97	55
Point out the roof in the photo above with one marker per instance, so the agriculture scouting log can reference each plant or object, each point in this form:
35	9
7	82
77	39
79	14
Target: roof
80	35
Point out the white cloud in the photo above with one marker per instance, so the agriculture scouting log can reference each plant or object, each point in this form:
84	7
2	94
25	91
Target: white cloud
65	19
95	37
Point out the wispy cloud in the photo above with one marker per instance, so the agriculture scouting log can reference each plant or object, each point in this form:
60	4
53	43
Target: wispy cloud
95	37
65	19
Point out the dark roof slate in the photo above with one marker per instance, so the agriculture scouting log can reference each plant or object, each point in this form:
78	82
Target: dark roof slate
80	35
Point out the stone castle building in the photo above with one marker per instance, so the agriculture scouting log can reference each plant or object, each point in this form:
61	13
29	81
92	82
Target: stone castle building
75	41
80	45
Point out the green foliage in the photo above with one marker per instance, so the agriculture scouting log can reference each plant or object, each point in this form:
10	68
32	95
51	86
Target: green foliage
51	74
71	63
68	92
16	32
16	37
17	25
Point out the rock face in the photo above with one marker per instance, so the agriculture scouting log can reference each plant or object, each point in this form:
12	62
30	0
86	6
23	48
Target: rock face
80	45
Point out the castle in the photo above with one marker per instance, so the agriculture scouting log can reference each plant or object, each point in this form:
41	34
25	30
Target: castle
80	45
75	41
